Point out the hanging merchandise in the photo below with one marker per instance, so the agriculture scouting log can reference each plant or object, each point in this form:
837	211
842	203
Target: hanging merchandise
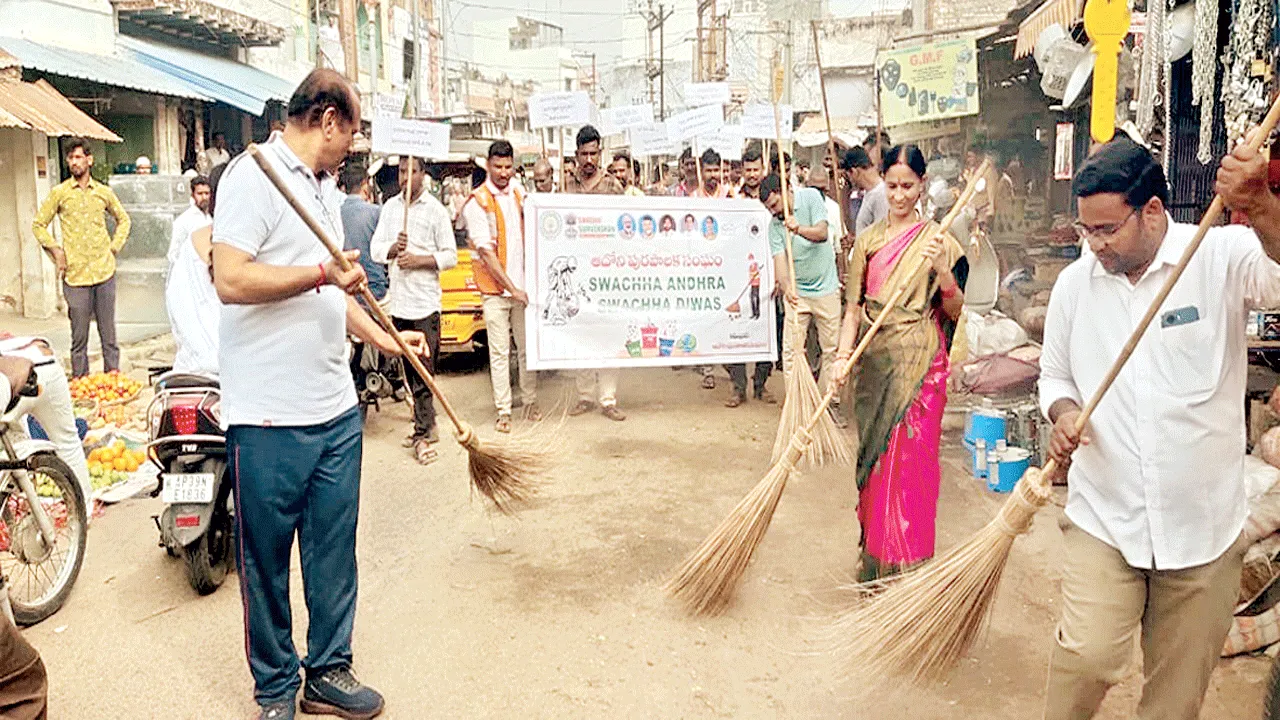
1204	59
1246	65
1152	68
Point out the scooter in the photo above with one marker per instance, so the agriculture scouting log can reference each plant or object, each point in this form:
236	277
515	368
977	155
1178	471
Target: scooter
187	442
43	519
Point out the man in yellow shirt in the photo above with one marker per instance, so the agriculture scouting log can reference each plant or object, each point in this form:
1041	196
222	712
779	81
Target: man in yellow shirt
86	256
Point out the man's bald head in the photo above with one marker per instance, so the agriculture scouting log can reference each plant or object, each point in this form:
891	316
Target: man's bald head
543	176
323	89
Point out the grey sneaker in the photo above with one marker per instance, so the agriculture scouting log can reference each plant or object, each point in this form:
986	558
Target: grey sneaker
337	692
277	711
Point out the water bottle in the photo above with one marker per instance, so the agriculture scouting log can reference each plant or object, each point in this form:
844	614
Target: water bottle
980	458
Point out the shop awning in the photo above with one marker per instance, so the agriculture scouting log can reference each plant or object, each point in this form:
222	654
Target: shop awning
234	83
198	21
115	70
1062	12
38	106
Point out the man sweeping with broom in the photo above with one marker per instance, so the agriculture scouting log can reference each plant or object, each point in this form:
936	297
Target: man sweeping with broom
294	435
1156	501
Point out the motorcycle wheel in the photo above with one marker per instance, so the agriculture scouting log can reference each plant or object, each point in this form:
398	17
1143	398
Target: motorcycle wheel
208	559
1272	700
29	559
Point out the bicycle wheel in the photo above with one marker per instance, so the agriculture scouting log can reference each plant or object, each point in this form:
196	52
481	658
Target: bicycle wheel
40	575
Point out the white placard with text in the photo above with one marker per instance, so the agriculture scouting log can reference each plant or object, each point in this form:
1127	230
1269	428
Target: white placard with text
758	122
695	123
419	138
559	109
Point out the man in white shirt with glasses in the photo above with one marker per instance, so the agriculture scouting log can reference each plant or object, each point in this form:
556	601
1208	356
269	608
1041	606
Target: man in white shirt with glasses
1156	501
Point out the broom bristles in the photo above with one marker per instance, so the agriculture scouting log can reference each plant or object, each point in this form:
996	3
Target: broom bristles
919	625
504	472
705	582
829	445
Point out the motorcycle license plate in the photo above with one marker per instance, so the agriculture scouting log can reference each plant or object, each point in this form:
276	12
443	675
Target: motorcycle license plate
187	488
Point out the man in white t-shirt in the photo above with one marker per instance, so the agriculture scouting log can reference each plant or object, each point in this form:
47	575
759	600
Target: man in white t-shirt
193	218
413	291
289	404
495	226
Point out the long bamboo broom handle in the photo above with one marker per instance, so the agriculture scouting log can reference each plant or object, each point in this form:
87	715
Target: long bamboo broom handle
407	192
786	201
831	140
1210	218
965	198
370	300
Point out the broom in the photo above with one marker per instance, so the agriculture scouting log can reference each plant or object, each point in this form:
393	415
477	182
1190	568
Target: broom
802	394
734	307
503	473
919	625
706	581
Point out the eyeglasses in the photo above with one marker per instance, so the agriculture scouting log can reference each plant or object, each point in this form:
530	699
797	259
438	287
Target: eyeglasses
1101	233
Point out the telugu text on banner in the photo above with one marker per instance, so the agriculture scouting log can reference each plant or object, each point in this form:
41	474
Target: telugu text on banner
618	281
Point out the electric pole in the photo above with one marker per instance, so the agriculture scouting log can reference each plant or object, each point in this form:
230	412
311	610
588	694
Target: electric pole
657	21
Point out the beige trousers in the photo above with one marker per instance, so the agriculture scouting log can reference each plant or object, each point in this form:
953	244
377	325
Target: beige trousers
598	386
502	317
825	312
1183	616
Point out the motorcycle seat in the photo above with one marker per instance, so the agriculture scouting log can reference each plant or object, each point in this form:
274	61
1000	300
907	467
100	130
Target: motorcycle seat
178	381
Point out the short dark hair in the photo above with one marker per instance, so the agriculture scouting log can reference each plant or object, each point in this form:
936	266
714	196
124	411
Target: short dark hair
635	168
501	149
198	180
710	157
774	167
686	155
215	178
588	134
753	153
70	144
1125	167
770	185
871	139
351	176
321	89
220	134
855	157
908	155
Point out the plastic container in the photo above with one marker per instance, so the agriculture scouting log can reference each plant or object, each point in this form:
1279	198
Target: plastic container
986	422
1011	465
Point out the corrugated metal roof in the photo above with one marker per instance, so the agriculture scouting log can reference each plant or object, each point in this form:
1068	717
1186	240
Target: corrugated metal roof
38	106
105	69
234	83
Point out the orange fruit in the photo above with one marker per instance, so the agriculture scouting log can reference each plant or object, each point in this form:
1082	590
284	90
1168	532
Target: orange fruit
120	463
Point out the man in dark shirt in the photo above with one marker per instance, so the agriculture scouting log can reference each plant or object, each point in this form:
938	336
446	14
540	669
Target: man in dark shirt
359	218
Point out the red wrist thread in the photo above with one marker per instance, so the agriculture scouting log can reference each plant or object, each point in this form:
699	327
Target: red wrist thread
324	277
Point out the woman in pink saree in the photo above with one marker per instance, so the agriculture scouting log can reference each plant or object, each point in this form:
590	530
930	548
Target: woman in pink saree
902	378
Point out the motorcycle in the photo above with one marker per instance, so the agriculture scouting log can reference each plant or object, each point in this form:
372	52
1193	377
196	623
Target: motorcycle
377	376
187	442
43	519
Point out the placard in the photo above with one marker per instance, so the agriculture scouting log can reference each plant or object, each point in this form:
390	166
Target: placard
727	141
617	119
692	123
758	122
618	281
651	141
559	109
403	136
706	93
928	82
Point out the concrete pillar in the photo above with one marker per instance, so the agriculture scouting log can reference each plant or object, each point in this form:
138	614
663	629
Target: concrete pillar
28	285
168	142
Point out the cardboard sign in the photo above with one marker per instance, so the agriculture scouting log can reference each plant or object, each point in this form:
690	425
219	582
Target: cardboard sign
618	119
706	93
651	141
418	138
559	109
727	141
758	122
694	123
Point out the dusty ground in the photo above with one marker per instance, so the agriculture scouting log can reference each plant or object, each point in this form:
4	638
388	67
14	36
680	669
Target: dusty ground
557	613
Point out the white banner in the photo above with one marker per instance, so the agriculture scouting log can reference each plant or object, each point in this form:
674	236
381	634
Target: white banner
758	122
706	93
618	281
617	119
727	141
419	138
651	141
692	123
559	109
